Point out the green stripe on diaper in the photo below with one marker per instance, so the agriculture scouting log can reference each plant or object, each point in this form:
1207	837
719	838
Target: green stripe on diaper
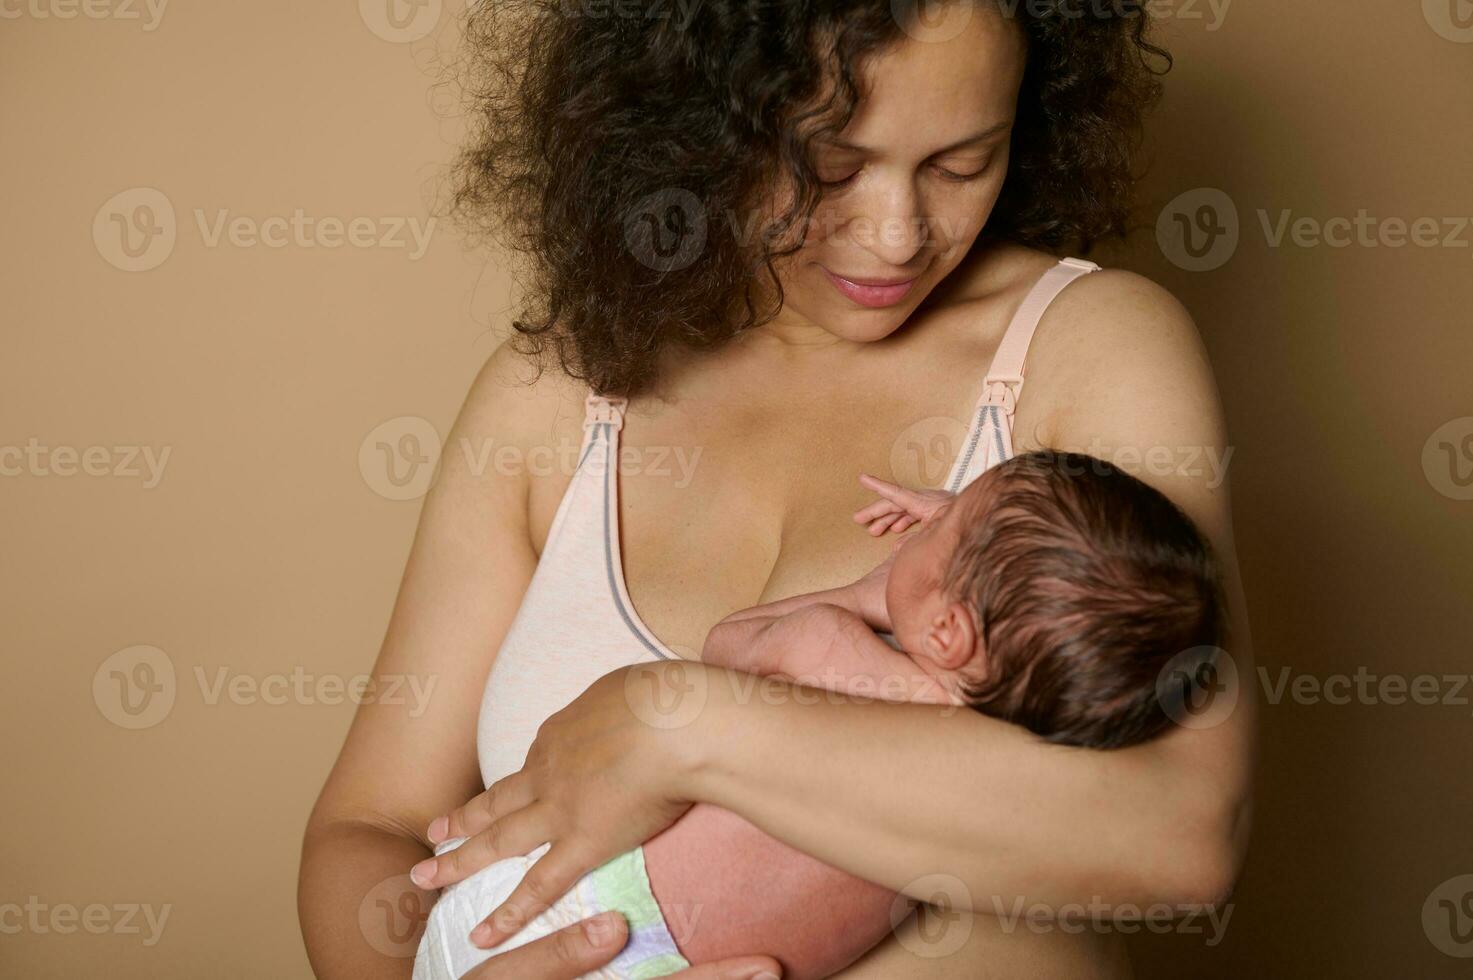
623	884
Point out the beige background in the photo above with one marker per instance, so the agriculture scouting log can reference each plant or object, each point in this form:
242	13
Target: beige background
266	549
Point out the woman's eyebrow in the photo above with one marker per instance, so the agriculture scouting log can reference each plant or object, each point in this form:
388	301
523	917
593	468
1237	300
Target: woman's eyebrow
991	131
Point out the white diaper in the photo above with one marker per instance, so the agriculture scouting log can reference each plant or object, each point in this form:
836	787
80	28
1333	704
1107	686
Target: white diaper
445	951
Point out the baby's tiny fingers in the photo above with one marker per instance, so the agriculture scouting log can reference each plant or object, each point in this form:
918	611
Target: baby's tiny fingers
882	487
879	526
870	512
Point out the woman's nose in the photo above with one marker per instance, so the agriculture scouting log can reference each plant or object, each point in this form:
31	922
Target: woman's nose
893	228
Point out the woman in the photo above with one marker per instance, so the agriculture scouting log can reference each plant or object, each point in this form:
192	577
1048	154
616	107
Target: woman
792	236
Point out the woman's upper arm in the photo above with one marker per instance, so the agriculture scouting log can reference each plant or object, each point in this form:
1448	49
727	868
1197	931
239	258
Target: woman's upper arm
1119	371
467	570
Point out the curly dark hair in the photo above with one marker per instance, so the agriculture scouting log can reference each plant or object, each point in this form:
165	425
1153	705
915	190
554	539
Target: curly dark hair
602	129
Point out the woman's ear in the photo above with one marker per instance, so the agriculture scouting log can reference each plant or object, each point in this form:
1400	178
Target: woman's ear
951	639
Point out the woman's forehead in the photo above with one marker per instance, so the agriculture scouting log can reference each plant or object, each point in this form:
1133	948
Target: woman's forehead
941	91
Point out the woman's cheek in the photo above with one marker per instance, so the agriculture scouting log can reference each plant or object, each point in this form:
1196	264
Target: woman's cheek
964	217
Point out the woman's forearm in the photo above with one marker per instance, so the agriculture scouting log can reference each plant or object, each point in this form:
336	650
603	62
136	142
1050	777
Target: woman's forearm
361	916
895	792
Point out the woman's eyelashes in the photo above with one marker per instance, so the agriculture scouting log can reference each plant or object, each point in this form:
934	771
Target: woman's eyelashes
835	183
954	174
947	173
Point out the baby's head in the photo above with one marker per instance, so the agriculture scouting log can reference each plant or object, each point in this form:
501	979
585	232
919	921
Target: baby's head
1052	592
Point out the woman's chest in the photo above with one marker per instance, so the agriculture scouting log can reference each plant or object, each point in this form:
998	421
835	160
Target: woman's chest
723	503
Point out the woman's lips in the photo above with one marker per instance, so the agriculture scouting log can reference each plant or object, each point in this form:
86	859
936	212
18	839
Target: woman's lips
872	293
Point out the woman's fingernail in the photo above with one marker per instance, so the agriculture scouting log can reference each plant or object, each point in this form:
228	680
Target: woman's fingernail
422	873
751	973
438	829
600	930
481	935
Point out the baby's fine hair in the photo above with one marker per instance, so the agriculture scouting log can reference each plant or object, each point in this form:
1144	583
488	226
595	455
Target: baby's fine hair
1086	582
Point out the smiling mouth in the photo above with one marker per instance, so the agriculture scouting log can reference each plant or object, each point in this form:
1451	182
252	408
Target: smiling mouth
871	293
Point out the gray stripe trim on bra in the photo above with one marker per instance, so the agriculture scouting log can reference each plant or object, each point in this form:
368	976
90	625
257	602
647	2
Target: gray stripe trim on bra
603	436
965	460
1002	456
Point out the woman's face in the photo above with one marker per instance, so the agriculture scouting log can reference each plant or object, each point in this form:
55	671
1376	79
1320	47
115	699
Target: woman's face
910	182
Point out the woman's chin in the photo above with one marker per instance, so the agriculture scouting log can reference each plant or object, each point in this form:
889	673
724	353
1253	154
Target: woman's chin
866	326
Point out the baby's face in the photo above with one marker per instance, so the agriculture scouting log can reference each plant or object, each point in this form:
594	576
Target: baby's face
921	613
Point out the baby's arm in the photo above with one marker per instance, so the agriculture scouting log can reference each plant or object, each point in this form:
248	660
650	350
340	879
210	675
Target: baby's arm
821	645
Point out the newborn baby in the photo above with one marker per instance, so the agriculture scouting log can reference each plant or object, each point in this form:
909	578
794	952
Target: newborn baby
1051	592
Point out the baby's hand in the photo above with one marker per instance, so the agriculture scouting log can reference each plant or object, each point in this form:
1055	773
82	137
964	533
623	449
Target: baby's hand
898	507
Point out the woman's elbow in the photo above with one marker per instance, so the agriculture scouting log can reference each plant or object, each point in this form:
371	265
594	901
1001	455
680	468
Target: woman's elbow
1202	865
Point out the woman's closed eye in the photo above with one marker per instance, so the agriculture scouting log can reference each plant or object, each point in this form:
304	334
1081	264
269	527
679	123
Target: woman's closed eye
953	174
835	183
947	173
964	167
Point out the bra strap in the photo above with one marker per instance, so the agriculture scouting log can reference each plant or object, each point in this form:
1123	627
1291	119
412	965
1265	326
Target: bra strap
1004	380
992	438
599	410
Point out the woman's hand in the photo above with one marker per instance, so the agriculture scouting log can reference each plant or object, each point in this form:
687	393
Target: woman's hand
600	779
585	946
898	507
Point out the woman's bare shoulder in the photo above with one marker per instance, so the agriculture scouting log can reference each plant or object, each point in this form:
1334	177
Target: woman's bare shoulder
517	401
1116	327
1119	370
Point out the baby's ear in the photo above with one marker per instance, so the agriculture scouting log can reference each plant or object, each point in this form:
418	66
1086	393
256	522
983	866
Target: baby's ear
952	640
